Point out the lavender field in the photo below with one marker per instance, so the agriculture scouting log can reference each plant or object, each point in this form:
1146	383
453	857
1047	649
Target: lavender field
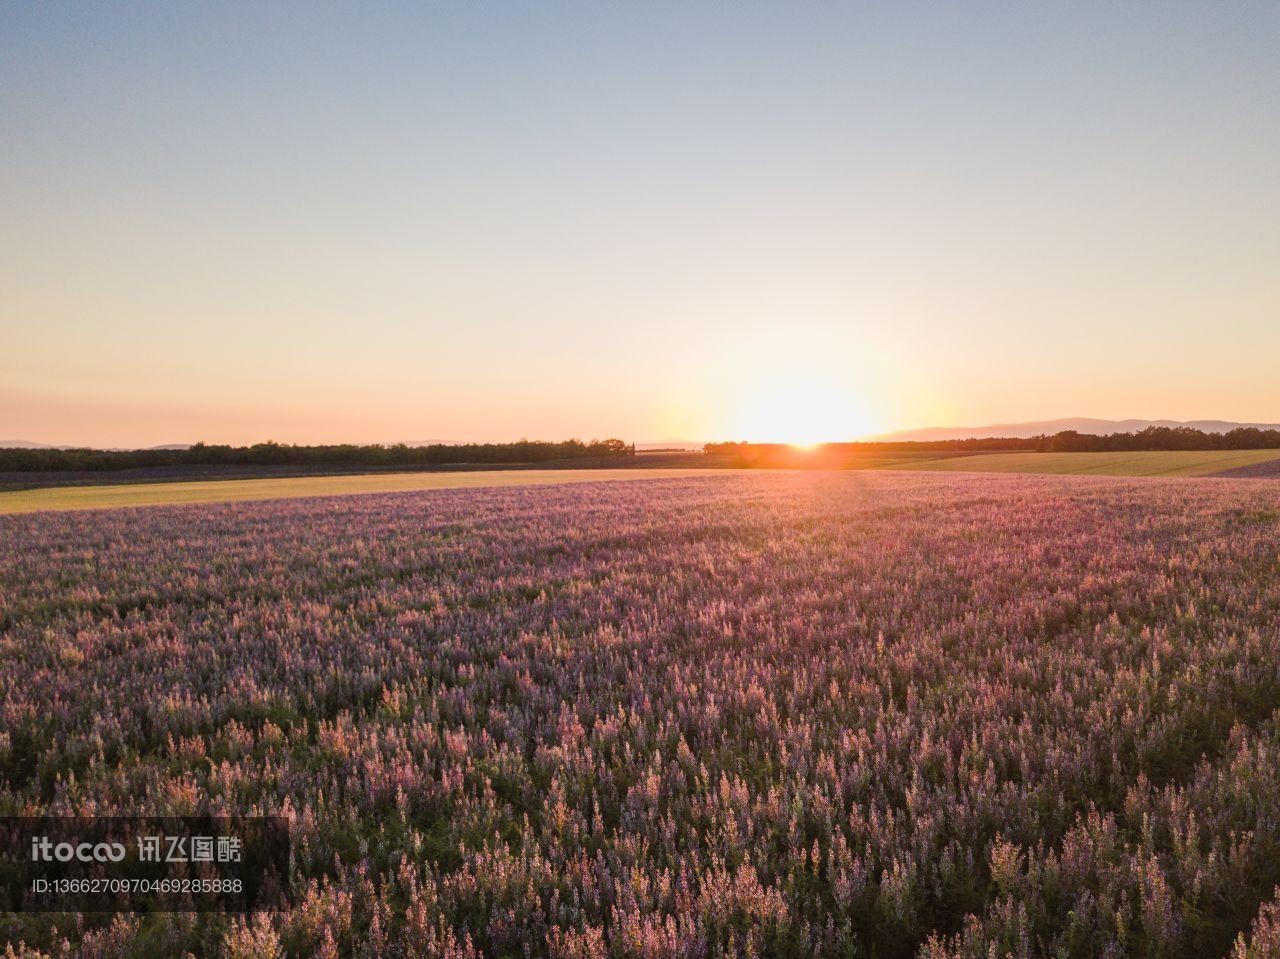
853	714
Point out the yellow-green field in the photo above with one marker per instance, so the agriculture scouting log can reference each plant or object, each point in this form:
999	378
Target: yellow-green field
1144	463
226	491
1162	463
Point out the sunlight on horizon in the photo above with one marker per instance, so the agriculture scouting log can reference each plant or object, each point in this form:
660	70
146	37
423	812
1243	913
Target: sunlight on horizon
804	411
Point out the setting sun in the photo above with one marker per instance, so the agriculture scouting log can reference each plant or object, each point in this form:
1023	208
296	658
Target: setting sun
804	411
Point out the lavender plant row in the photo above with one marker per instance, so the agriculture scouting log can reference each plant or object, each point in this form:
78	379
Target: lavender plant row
850	715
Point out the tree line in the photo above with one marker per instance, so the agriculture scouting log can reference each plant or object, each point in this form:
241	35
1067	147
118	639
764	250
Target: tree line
1151	438
538	451
284	454
1164	438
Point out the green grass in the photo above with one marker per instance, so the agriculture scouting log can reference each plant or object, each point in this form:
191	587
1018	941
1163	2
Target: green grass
227	491
1145	463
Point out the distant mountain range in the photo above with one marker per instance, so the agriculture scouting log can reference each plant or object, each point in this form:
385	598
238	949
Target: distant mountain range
1080	424
655	445
28	445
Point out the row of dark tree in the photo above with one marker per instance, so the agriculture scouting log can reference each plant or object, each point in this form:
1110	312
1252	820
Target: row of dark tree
533	452
279	454
1151	438
1164	438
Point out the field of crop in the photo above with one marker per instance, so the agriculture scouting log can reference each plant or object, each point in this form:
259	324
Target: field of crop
52	493
292	487
24	492
1137	463
844	714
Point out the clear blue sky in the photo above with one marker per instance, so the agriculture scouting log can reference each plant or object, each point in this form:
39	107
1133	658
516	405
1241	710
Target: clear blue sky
785	221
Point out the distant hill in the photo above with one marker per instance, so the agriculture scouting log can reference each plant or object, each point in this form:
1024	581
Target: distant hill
665	445
1080	424
28	445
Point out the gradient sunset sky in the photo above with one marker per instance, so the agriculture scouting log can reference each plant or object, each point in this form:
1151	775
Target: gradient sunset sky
791	221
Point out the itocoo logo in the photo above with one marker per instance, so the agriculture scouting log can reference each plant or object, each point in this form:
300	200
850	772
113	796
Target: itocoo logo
43	849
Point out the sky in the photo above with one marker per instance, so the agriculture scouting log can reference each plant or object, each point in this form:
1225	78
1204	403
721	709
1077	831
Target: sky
484	221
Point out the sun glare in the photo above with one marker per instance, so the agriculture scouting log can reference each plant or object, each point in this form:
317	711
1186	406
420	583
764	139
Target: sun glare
803	412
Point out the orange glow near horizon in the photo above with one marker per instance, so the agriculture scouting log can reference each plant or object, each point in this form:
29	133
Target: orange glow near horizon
804	411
